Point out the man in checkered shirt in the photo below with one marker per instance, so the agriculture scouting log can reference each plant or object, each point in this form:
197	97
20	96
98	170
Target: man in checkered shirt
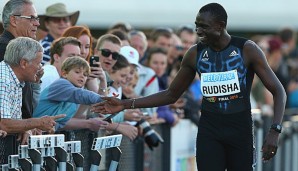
22	61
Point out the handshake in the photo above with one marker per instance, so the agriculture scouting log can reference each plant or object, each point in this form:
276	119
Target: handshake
152	138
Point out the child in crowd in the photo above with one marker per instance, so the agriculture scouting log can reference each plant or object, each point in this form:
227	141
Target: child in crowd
128	90
119	75
64	95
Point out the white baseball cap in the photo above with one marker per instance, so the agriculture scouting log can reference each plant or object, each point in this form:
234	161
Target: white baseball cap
131	54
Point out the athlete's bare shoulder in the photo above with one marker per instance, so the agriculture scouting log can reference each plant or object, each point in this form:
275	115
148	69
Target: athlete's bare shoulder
190	57
253	53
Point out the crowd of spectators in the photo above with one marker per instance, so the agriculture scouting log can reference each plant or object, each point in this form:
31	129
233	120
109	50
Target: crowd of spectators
126	63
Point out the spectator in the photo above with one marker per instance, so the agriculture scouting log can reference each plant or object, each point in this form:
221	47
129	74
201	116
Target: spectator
132	56
147	82
108	48
55	21
121	35
188	36
20	19
159	37
126	27
175	53
61	49
157	60
74	73
21	63
119	75
97	74
288	38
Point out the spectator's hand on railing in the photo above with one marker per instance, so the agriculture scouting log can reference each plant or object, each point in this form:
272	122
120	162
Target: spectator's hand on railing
3	133
24	137
36	131
269	148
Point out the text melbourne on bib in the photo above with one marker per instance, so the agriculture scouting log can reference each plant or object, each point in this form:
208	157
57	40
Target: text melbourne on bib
220	83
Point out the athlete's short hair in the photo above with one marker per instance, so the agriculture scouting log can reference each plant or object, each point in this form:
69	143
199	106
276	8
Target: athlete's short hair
215	10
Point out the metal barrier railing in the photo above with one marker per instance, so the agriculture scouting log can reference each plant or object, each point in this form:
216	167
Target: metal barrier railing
136	155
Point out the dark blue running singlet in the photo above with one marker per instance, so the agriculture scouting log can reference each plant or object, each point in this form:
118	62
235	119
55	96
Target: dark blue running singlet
225	80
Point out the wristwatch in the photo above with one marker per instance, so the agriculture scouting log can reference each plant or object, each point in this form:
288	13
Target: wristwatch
276	127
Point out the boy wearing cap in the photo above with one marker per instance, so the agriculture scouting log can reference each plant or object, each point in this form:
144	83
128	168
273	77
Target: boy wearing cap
56	20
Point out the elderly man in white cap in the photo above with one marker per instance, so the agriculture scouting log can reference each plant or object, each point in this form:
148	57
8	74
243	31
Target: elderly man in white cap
56	20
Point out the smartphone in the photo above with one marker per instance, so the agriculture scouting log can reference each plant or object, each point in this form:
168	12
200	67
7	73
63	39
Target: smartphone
109	118
92	61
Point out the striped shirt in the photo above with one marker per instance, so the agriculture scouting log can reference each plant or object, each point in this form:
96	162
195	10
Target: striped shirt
46	44
10	93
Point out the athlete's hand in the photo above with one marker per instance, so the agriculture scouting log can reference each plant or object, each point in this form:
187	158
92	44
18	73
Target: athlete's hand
269	148
110	105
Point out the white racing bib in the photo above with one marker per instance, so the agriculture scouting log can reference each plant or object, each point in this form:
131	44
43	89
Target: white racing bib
220	83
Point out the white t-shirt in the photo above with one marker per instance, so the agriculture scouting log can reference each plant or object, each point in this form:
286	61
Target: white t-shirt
50	75
113	92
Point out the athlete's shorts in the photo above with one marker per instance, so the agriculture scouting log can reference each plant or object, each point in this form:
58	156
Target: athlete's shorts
225	141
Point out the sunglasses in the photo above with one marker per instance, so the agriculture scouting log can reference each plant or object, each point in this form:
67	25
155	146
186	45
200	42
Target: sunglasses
59	19
106	53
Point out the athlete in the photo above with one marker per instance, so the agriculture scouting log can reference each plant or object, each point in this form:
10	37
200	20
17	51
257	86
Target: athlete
226	65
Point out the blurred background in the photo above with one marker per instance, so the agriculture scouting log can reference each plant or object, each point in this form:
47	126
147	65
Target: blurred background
247	16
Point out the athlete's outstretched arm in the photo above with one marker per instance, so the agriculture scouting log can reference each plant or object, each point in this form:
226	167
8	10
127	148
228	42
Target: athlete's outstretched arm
180	83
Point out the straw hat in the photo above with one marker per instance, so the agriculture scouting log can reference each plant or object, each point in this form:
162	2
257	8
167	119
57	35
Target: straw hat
58	10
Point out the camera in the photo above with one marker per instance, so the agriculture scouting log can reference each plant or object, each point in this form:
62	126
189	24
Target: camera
92	60
152	138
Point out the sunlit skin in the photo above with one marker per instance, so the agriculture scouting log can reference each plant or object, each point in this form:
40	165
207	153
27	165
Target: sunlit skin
25	27
188	39
208	30
163	42
33	67
85	45
57	25
77	76
69	50
119	76
173	52
107	62
129	88
131	73
158	62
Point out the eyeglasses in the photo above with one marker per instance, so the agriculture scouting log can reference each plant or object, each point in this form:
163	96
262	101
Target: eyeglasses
31	18
106	53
